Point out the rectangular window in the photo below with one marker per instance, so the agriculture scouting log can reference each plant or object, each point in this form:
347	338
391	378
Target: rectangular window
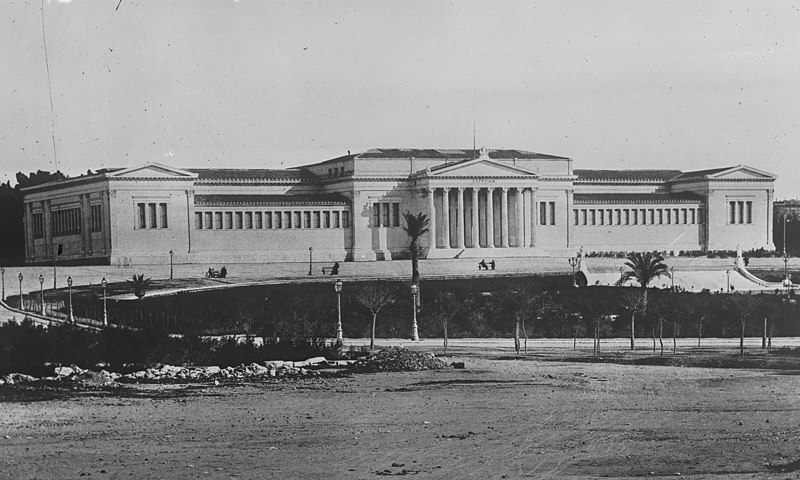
675	216
552	213
151	214
643	216
601	217
593	215
287	219
376	215
345	219
610	216
741	212
217	220
684	216
660	216
669	216
316	219
209	220
268	220
298	219
692	218
306	219
141	215
162	215
652	216
395	214
618	216
326	219
65	222
237	216
542	213
38	226
627	217
277	220
701	216
583	216
258	221
198	220
97	219
576	215
731	212
749	212
248	220
228	220
336	223
636	217
385	219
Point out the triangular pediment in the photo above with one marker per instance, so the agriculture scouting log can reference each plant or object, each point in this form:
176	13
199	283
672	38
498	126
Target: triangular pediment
153	170
742	172
481	167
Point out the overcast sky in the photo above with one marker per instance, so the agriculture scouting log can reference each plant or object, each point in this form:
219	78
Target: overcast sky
191	83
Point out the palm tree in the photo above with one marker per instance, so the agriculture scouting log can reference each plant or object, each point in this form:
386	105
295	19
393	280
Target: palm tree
644	268
416	226
140	285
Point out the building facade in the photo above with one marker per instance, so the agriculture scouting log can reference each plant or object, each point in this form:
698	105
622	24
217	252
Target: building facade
487	203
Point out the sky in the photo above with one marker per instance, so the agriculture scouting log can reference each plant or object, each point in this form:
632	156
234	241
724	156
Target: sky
264	84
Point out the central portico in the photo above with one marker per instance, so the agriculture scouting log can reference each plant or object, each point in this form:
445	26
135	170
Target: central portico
482	207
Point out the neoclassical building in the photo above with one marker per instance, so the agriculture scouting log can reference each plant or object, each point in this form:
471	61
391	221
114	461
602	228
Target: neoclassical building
487	203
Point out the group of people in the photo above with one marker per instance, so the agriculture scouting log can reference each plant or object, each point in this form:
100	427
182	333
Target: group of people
483	266
221	273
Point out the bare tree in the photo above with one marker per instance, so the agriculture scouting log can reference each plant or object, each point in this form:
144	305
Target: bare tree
446	309
634	301
744	304
374	296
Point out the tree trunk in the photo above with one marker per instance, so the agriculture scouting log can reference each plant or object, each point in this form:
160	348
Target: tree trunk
769	339
699	332
444	326
414	262
516	336
674	334
525	334
741	338
661	335
653	331
596	336
372	338
575	339
633	325
764	335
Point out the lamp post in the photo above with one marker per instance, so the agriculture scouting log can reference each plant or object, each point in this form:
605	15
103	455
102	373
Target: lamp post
69	284
105	312
728	273
54	273
310	258
41	292
338	287
414	330
3	281
573	262
672	277
170	264
21	306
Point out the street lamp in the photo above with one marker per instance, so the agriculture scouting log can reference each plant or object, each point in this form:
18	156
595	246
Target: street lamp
672	277
54	273
41	292
573	262
69	284
728	273
414	330
170	264
21	306
338	287
105	312
310	256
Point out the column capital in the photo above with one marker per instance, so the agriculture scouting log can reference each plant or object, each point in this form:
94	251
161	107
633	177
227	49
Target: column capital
461	189
491	189
446	189
505	189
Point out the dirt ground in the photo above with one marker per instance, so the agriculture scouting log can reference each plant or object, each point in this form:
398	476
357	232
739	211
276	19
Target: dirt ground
502	417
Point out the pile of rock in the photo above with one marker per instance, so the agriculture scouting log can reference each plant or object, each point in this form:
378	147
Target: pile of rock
398	359
13	378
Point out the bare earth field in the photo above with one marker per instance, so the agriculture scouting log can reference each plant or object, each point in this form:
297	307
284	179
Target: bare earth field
537	416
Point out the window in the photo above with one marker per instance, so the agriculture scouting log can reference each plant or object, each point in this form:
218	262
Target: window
684	216
345	219
97	218
692	217
385	218
38	225
643	214
395	214
316	219
237	216
326	219
209	222
287	219
141	215
552	213
151	214
248	220
660	216
600	217
731	212
198	220
268	220
217	220
543	213
749	212
228	220
258	222
297	220
652	216
609	214
627	217
669	216
162	215
306	219
636	217
701	216
376	215
66	222
336	223
618	217
576	214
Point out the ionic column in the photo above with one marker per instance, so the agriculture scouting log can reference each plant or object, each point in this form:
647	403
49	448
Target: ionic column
431	218
460	218
504	218
520	228
489	218
446	216
476	243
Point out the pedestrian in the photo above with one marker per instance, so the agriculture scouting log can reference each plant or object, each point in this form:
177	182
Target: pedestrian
482	265
492	264
223	272
335	268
